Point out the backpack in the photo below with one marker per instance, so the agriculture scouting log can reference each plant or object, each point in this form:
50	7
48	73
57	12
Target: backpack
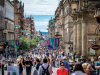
45	71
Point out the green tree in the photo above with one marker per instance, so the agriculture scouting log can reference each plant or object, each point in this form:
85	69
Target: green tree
34	42
24	43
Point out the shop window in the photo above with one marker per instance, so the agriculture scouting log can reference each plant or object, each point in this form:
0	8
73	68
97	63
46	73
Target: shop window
0	2
3	2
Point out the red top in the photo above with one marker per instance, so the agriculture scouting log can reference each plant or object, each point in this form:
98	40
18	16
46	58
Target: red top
64	72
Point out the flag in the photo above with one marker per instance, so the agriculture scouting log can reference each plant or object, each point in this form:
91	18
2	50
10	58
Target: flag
12	42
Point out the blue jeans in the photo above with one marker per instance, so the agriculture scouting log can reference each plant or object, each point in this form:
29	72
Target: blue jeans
54	64
28	71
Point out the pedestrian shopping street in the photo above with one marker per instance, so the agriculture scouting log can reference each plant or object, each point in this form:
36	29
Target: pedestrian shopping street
49	37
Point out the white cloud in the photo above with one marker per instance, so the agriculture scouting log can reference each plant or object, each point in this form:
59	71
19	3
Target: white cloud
41	25
40	7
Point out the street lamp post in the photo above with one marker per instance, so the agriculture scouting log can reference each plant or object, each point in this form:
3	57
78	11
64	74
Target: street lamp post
6	51
6	21
16	26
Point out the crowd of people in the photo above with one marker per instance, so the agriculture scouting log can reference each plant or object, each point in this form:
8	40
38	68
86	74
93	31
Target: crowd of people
43	63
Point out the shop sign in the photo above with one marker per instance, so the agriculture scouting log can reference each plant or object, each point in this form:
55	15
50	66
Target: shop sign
92	52
95	47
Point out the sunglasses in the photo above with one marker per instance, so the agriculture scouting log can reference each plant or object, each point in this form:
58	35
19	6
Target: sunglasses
61	65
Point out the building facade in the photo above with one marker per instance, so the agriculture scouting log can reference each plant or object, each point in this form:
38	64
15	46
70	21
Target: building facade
38	34
27	28
30	27
2	24
51	28
18	17
9	21
77	28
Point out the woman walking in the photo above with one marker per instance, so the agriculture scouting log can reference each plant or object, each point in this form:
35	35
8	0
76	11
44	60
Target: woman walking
78	69
21	65
62	70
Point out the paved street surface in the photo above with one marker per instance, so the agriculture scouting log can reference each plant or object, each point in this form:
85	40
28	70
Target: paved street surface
24	72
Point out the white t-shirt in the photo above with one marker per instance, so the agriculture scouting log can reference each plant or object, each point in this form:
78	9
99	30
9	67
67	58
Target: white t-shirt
64	57
3	58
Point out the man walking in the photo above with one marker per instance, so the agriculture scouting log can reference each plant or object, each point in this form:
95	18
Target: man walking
28	66
66	65
45	69
2	63
97	66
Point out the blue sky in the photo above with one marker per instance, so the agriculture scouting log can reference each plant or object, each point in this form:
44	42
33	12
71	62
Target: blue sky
42	11
41	21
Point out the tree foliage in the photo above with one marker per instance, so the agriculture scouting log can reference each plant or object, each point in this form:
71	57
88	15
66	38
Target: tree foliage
26	43
34	42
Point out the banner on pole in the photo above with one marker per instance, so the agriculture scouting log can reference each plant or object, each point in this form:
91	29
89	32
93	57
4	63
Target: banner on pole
50	43
12	42
17	42
12	70
56	43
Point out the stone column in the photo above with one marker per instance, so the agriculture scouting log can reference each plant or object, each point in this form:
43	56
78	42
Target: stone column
75	36
84	39
79	39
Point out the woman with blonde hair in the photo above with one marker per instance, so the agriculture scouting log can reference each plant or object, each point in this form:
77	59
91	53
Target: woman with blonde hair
89	67
85	67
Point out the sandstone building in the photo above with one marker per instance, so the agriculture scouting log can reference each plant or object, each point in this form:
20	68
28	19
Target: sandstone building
18	17
51	28
29	27
77	27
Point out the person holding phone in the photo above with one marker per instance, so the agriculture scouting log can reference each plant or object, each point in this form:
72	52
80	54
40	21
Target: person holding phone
28	66
21	66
